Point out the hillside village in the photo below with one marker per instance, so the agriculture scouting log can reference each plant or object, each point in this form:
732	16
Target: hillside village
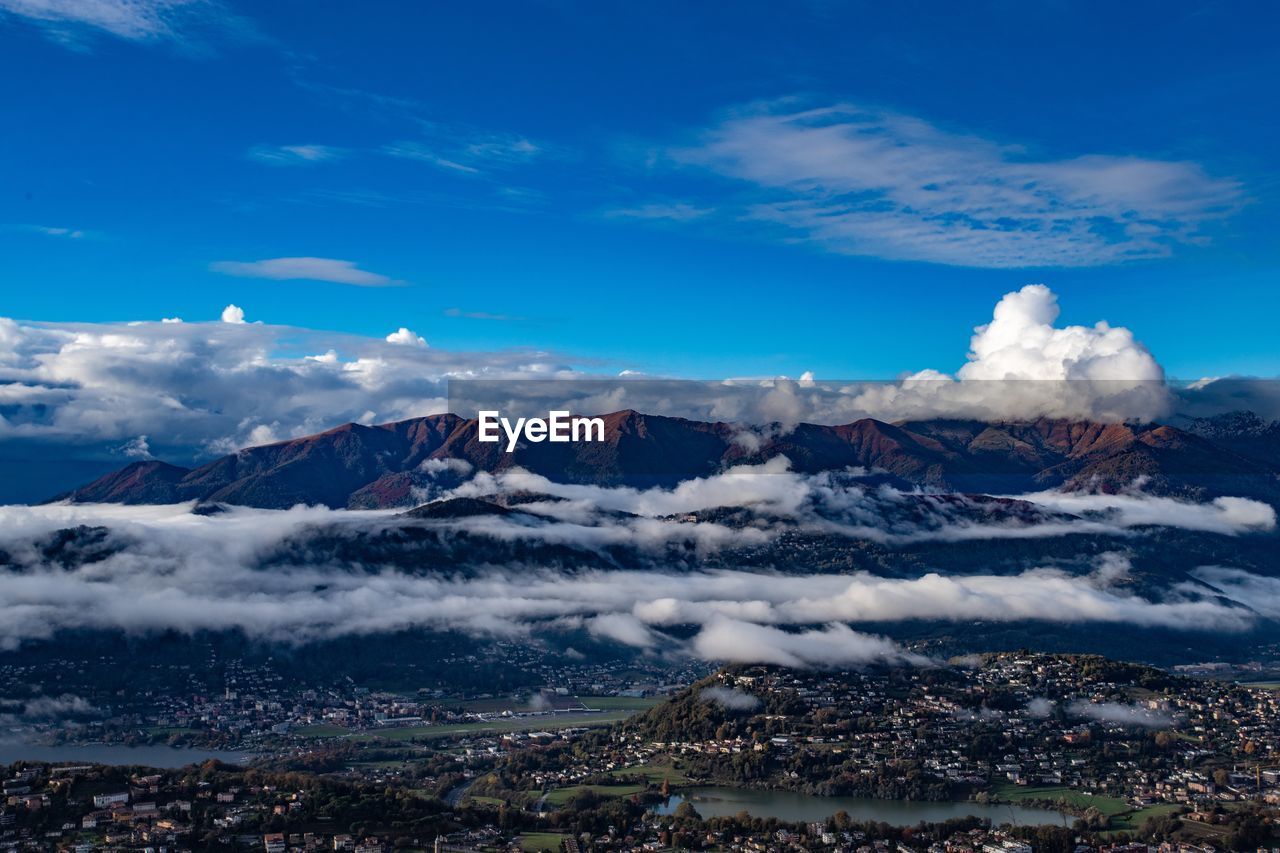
1111	753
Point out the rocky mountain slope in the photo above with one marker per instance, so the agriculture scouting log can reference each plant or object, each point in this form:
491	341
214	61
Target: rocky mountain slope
384	466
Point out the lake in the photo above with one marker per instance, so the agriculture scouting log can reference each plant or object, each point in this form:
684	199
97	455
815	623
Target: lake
160	756
796	807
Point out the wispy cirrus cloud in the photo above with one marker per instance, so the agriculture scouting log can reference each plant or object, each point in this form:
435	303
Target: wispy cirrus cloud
864	181
295	155
426	154
186	23
61	231
673	211
466	150
306	268
479	315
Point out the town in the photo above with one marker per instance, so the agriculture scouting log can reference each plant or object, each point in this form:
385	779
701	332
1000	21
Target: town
1103	754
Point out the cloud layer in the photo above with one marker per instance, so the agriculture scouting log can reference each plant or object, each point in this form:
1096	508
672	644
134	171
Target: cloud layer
164	568
209	388
197	389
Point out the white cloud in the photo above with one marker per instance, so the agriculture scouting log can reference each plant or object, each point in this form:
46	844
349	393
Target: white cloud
1116	713
178	571
465	150
676	212
1020	366
727	697
209	386
295	155
137	448
622	628
136	20
869	182
198	388
305	268
405	337
1021	342
424	154
479	315
1260	594
734	641
183	22
57	231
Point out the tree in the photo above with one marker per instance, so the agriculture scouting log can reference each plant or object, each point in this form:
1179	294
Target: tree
686	811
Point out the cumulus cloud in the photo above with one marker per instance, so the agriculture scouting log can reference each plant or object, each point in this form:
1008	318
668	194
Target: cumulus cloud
406	337
305	269
137	448
1022	362
200	388
1020	366
863	181
1021	342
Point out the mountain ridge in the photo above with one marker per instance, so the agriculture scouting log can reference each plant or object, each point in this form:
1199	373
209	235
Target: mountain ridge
385	465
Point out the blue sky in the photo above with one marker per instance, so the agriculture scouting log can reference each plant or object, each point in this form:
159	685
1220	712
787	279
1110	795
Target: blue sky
693	189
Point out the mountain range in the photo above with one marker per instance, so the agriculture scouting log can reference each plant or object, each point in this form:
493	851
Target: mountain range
387	465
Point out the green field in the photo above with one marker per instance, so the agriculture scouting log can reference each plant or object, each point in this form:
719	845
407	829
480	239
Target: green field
1120	815
560	796
1108	806
516	724
1134	820
654	773
535	842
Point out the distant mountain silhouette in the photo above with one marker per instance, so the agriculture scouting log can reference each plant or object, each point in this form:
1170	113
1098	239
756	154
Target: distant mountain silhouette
386	465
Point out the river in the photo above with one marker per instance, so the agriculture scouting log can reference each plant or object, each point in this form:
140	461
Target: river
161	756
795	807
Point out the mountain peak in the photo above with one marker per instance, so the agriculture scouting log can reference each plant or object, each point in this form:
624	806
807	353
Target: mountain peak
391	464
